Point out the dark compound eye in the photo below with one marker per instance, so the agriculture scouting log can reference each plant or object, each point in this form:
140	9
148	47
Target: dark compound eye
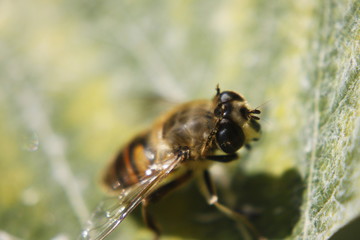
227	96
230	136
223	110
218	111
227	110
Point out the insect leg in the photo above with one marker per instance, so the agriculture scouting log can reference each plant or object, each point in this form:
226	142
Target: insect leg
184	153
149	220
212	198
167	188
157	195
223	158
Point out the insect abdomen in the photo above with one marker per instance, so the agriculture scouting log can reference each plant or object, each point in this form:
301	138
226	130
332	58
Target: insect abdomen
131	163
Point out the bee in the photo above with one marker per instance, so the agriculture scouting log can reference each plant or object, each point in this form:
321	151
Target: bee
182	144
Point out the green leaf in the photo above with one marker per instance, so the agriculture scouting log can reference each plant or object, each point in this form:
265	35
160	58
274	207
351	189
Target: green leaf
332	131
79	78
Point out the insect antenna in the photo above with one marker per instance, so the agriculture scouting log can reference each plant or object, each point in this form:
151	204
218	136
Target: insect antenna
263	104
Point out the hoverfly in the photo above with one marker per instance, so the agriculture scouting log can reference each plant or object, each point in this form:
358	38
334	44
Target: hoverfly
181	145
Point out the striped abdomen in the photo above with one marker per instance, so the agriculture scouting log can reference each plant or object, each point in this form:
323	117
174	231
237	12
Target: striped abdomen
130	164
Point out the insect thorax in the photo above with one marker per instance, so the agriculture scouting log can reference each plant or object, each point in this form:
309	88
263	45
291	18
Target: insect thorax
189	125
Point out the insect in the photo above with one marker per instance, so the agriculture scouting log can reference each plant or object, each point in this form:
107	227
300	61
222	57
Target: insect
181	145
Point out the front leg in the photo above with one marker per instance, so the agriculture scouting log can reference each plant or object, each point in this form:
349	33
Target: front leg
209	191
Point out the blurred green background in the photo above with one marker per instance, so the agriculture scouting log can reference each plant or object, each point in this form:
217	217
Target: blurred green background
79	78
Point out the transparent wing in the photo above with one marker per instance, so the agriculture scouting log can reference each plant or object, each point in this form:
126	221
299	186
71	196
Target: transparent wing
112	211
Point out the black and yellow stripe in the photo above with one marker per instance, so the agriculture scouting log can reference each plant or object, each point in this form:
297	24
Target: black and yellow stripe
130	164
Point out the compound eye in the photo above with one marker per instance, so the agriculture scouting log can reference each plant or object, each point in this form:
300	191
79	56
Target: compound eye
223	110
229	96
230	136
218	112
